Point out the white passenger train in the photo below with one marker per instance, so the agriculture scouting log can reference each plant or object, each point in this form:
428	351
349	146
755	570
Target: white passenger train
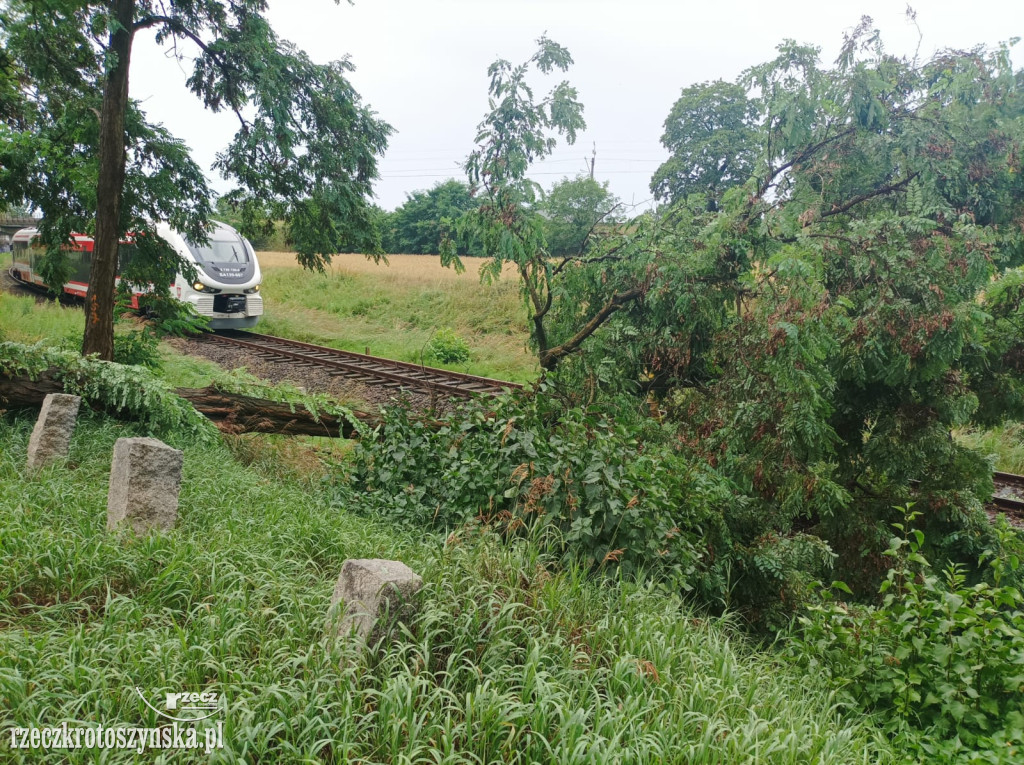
226	289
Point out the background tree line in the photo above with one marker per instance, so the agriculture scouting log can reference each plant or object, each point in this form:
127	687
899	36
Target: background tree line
570	212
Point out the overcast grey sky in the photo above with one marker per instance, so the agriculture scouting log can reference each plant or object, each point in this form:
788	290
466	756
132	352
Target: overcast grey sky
421	65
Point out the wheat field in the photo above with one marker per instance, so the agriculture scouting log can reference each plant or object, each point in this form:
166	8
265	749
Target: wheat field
423	269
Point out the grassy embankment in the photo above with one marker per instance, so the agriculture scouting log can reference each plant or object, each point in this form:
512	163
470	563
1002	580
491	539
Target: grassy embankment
510	660
394	310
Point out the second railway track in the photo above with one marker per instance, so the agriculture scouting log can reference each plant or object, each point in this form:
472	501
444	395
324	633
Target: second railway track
1009	494
361	367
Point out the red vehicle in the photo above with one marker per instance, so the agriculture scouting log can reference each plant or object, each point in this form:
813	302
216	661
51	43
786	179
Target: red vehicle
226	290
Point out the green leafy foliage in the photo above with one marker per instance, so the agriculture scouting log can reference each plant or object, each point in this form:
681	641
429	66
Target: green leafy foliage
170	317
137	348
574	210
583	478
447	347
132	390
617	492
711	134
939	654
427	218
585	484
818	328
519	129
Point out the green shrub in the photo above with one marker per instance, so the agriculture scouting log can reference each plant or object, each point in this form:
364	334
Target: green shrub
447	347
614	491
170	317
939	656
585	484
137	347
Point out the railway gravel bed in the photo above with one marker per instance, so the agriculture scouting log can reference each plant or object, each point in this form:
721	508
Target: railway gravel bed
1009	497
362	394
388	373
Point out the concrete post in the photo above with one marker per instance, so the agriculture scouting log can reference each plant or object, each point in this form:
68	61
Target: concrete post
51	436
366	591
145	478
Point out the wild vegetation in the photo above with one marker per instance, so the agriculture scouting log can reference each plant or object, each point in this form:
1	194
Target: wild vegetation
400	310
740	516
832	288
513	658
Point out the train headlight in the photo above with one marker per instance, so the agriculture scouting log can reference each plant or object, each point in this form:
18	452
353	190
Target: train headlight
253	290
198	286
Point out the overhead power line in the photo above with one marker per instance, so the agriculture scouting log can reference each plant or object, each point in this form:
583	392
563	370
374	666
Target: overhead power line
449	175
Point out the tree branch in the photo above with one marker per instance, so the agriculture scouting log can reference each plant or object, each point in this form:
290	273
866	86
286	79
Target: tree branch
899	185
801	157
230	412
550	359
178	29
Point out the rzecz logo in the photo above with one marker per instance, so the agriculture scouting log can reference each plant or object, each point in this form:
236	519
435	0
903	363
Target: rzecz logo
187	707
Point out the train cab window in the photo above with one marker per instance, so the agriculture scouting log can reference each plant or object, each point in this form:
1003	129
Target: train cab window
223	247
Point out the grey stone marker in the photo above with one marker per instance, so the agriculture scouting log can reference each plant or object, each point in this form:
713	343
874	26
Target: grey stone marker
368	589
145	478
51	436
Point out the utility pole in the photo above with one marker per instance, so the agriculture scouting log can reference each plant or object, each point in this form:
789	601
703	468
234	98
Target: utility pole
593	160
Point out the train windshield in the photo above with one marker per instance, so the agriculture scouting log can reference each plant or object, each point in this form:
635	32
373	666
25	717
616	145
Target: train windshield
224	247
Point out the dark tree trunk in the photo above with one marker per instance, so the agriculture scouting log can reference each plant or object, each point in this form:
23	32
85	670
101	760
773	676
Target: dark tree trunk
99	301
234	413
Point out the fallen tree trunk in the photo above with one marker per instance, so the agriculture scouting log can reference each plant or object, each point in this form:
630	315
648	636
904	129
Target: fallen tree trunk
234	413
231	412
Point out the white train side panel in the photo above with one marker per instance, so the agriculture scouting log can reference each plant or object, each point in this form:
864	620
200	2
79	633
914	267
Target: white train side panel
225	290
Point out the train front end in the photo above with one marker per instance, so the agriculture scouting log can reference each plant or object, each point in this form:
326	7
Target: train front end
227	284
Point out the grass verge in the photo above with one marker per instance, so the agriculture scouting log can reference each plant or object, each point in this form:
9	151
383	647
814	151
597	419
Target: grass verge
509	660
1004	443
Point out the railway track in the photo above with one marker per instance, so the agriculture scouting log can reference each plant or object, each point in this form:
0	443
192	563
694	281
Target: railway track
1009	494
374	370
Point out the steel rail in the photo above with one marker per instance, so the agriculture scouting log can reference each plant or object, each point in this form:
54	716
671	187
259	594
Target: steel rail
363	366
1004	481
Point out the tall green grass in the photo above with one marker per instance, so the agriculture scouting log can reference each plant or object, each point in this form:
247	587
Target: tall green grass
397	318
509	660
1005	444
25	320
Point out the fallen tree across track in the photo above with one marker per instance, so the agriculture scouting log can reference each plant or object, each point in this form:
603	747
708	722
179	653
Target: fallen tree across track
231	412
372	370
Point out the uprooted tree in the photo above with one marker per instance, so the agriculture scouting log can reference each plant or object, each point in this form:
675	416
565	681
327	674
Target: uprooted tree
824	325
816	327
74	145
